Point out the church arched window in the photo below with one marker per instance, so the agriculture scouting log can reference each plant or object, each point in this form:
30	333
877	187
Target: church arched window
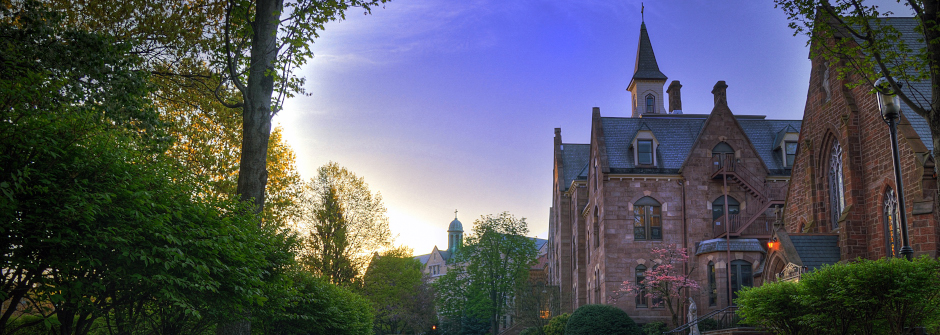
647	220
650	102
836	185
892	225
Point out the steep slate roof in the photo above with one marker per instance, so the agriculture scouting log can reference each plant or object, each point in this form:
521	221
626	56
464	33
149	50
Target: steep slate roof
423	258
646	66
575	157
816	250
918	91
675	136
762	134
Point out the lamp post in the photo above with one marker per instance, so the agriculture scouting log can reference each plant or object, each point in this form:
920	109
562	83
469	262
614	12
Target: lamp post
890	106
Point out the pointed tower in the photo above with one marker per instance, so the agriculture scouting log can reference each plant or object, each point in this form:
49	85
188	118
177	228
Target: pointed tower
454	235
647	82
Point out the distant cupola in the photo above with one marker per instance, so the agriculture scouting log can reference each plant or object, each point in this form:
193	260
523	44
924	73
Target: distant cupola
647	82
454	234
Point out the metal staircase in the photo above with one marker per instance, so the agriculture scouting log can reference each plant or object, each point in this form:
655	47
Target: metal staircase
725	165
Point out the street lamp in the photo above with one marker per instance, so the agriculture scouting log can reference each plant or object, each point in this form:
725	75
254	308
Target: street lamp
890	106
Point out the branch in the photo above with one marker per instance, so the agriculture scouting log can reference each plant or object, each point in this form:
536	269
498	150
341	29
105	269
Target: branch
228	52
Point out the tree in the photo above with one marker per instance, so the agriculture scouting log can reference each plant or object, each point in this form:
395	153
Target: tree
314	306
664	283
346	224
399	292
488	270
96	221
535	302
847	34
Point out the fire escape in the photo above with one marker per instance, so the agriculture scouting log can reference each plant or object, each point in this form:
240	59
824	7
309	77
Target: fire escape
754	222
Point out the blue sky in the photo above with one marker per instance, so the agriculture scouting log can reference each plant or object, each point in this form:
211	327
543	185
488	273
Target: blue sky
444	105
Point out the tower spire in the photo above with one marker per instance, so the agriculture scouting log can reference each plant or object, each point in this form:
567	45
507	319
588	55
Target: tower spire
642	16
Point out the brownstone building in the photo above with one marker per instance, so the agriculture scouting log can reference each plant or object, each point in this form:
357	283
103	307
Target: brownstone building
841	202
712	183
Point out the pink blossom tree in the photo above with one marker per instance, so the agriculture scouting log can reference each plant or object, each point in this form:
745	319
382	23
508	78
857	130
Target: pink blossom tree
664	283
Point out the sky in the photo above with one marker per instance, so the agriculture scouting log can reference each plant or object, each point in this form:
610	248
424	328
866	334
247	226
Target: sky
445	105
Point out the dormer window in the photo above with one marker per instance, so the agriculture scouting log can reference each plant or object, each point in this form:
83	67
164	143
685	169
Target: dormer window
644	152
644	148
790	152
650	102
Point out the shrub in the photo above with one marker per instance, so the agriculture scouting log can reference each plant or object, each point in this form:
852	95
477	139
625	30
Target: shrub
775	306
556	326
601	319
887	296
707	325
655	328
318	307
531	331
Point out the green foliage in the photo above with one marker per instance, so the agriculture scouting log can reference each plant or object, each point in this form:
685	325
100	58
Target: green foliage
775	306
886	296
601	319
318	307
655	328
707	325
557	325
531	331
488	271
399	292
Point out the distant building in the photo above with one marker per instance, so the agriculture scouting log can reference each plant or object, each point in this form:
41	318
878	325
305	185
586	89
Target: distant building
436	263
712	183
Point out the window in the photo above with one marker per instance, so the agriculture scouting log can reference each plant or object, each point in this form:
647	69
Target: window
641	300
647	220
644	152
723	156
597	229
836	185
650	102
718	207
892	226
712	285
597	285
790	152
741	276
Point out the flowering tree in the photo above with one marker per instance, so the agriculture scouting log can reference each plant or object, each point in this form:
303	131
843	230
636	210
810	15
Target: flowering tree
665	283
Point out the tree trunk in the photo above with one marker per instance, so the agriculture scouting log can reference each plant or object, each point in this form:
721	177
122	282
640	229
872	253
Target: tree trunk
256	123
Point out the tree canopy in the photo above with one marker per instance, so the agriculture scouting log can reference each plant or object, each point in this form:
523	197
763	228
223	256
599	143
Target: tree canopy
400	293
487	272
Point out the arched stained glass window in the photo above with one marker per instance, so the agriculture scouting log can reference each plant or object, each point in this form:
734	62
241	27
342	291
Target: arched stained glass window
836	185
892	225
647	220
641	300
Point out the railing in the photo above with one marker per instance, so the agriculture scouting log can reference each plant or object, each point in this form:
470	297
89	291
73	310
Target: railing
719	224
761	226
723	318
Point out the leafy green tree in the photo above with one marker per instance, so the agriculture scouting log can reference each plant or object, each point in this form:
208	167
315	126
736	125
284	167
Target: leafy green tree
346	225
488	271
601	319
96	221
399	292
863	49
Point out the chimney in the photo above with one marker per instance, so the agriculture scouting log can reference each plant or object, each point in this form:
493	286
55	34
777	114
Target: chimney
675	98
721	93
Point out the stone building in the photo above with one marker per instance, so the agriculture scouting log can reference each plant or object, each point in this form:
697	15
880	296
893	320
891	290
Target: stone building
436	263
662	177
841	201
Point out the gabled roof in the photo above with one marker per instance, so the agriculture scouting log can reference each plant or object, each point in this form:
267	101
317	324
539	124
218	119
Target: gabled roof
646	66
783	132
575	157
762	134
675	136
816	250
919	91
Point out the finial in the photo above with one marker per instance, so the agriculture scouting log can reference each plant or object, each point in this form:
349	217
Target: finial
455	214
642	17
